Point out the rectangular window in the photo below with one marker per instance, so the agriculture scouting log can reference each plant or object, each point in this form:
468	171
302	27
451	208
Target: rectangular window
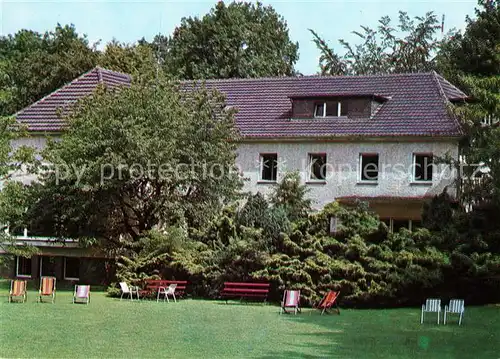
415	224
335	223
317	166
319	110
330	109
369	166
333	108
268	166
71	268
422	164
23	267
397	224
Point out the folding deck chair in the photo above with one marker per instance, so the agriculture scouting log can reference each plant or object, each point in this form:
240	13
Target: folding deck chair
82	293
431	306
47	288
328	301
170	290
456	306
18	290
291	299
130	290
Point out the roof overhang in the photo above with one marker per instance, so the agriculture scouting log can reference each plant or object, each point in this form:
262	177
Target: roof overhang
350	138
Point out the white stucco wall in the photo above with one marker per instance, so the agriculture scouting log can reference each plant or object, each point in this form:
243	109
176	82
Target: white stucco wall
38	142
343	168
32	141
395	163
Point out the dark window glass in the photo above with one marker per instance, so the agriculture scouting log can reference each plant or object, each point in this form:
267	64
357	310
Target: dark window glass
48	266
369	167
319	109
72	268
423	168
416	225
332	108
318	166
397	224
343	108
24	266
269	164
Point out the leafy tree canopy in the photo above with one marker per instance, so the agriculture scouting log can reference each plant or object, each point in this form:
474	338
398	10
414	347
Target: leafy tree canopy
32	64
137	60
481	145
477	51
145	157
236	40
408	47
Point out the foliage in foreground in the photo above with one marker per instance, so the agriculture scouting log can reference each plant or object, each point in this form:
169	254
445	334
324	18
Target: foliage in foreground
370	266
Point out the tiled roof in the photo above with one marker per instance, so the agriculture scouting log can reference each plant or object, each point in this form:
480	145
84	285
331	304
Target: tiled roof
416	105
45	114
450	91
413	104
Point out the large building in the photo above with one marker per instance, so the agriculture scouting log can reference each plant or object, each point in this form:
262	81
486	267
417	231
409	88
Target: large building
373	138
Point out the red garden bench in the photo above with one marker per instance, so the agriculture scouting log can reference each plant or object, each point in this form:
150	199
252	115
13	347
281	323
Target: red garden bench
245	290
152	286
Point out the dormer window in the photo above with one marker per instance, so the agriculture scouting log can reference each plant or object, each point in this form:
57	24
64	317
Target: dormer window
319	110
330	109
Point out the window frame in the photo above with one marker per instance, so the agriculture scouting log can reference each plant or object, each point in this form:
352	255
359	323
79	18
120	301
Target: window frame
310	164
390	225
319	103
19	275
414	166
64	273
261	167
316	105
361	167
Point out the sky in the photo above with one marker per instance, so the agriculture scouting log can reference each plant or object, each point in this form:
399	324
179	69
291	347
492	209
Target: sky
128	21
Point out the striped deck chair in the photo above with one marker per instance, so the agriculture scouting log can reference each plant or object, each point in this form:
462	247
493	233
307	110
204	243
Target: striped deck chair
18	290
47	288
431	306
291	299
82	293
328	301
456	306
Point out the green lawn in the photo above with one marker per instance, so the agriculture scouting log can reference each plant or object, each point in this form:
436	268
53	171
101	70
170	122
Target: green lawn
209	329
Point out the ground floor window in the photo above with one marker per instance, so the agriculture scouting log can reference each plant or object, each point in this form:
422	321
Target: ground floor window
23	267
48	266
71	268
395	225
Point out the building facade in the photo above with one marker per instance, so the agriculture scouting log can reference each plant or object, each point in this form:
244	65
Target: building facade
378	139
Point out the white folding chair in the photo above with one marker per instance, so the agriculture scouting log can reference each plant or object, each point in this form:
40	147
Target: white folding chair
456	306
129	290
170	290
431	306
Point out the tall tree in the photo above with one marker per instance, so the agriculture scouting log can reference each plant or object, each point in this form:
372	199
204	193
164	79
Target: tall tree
481	146
137	60
163	156
477	51
235	40
385	50
32	64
